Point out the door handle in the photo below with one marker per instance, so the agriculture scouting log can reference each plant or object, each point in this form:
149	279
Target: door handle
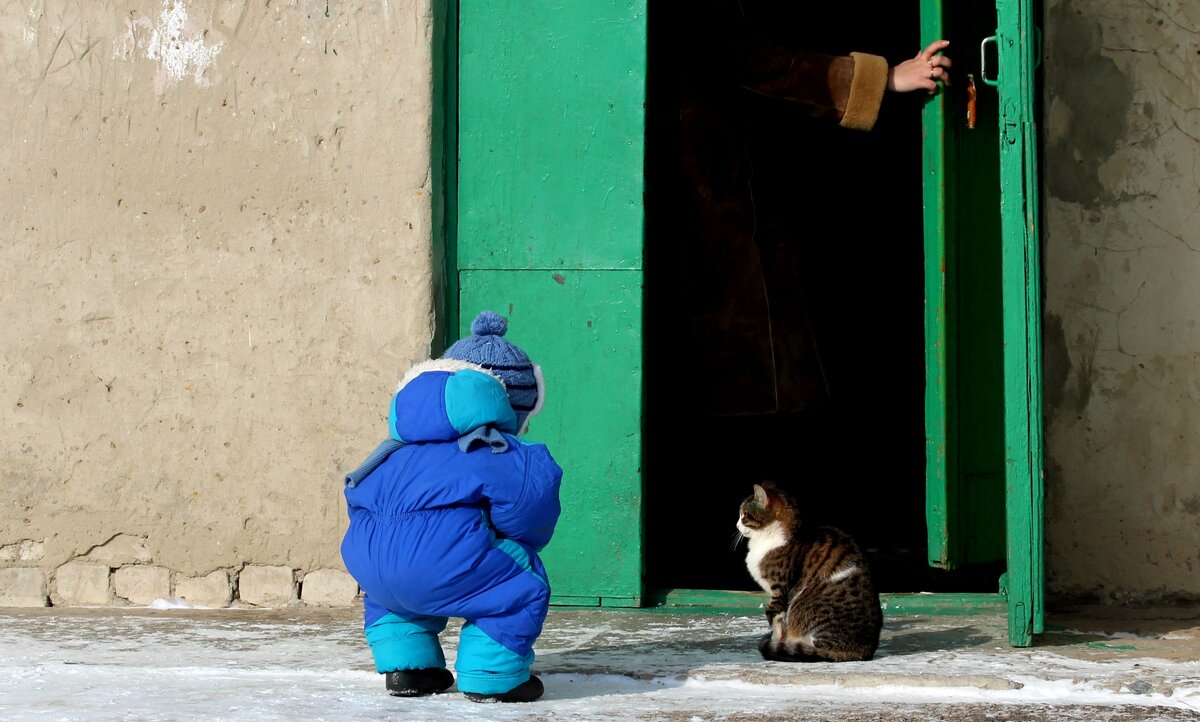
992	39
983	75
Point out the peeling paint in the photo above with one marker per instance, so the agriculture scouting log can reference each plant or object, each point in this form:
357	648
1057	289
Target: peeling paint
173	41
29	32
179	54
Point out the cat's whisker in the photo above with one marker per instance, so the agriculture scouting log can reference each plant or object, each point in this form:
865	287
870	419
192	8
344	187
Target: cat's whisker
737	539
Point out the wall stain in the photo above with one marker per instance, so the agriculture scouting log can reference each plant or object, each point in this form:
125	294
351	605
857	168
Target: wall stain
1099	96
1059	393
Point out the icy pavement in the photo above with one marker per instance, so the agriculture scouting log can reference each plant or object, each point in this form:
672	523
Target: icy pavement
73	664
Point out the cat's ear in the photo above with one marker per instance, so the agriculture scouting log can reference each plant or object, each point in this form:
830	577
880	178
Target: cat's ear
760	494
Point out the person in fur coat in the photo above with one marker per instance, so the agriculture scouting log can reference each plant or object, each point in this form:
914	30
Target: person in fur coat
725	100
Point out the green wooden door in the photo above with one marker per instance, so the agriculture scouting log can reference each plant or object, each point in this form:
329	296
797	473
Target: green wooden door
549	218
964	392
983	384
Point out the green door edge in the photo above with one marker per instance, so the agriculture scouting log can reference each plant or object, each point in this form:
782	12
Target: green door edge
443	166
940	444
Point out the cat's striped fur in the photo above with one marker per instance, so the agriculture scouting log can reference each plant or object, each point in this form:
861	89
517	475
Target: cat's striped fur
823	606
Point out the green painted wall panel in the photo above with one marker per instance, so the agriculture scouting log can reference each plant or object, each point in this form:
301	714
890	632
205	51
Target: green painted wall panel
551	134
585	329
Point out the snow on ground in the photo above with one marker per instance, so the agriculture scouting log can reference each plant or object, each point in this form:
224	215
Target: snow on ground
234	665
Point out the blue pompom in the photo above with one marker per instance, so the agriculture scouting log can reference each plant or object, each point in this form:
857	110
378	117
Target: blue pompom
489	323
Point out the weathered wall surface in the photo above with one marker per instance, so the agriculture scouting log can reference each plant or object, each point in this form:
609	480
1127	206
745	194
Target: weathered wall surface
1122	263
214	264
215	261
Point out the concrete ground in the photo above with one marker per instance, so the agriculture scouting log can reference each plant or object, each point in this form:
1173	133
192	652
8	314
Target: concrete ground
92	664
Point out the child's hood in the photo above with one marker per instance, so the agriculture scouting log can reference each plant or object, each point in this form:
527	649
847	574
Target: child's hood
442	399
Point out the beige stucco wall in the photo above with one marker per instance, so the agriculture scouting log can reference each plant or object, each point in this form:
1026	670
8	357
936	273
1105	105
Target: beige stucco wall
215	261
214	264
1122	273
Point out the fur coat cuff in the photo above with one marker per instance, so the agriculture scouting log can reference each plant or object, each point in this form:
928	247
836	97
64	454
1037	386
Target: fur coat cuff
867	85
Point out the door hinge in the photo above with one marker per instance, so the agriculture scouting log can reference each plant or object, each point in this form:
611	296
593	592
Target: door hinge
1012	128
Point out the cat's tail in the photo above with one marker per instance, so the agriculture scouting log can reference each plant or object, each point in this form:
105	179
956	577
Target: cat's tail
776	646
775	650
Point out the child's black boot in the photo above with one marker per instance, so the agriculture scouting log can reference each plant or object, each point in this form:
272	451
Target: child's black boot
419	682
527	691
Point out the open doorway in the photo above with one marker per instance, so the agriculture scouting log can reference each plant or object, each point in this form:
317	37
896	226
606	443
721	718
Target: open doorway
784	300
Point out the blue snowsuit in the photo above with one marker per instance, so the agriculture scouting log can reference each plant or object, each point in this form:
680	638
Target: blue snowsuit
446	520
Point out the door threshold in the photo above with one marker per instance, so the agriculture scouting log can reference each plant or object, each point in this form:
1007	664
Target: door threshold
720	601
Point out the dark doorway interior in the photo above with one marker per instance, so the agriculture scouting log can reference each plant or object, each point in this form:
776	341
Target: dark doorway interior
784	299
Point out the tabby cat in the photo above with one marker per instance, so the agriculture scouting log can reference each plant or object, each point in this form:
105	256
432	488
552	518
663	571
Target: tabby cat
823	605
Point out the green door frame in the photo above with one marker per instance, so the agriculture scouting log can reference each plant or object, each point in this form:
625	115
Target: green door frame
538	214
1018	46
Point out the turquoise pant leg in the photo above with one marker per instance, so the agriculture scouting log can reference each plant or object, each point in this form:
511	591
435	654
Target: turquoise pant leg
485	666
519	604
409	642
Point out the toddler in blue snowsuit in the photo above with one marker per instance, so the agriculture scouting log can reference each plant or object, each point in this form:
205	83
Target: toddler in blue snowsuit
447	518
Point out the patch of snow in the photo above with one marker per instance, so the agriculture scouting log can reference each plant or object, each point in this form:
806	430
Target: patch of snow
173	603
596	666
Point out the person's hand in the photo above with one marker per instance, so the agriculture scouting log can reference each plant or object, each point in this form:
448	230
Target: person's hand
923	71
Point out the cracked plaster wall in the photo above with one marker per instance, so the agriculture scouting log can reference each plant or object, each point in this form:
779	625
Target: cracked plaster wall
1121	264
214	264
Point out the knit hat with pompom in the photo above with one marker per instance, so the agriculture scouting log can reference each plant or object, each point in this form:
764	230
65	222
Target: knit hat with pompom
486	347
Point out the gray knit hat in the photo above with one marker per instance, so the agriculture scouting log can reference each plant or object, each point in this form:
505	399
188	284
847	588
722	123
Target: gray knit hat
487	348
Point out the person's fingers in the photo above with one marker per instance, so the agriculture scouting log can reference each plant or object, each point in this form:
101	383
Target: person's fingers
939	73
932	48
918	73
